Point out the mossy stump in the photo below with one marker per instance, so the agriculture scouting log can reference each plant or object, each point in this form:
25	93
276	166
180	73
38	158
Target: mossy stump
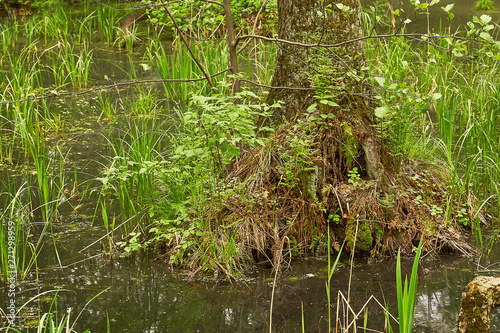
478	299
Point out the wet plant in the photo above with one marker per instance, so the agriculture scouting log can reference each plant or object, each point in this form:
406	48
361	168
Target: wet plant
46	187
330	270
83	28
49	322
9	33
179	65
483	5
129	38
16	252
77	65
462	97
106	23
110	227
104	102
407	293
22	75
48	23
135	166
146	104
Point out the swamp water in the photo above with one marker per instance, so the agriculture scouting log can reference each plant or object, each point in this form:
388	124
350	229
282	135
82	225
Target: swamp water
143	295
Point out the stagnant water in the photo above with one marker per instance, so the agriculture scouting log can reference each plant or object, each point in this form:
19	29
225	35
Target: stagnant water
142	294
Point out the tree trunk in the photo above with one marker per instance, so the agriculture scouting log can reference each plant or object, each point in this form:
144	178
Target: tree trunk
333	72
319	22
327	169
478	299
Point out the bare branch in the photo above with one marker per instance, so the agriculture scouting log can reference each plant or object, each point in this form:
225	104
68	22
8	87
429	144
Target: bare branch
254	26
272	87
152	5
203	70
100	89
414	35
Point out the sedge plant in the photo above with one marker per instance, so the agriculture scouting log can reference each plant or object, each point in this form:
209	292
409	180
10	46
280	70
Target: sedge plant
331	269
407	293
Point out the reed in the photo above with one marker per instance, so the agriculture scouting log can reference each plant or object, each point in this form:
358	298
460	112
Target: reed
134	167
483	5
330	270
107	23
21	82
104	102
83	28
24	74
54	66
15	249
449	112
49	322
110	227
48	23
145	104
77	66
129	38
9	34
48	187
407	293
180	65
42	164
87	6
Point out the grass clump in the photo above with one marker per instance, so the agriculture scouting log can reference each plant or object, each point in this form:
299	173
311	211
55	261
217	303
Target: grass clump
407	293
483	5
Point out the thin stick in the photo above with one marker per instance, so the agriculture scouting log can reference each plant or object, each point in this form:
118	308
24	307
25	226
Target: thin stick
181	34
116	85
231	41
272	297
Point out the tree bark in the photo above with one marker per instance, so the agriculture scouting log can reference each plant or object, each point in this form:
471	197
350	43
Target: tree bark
328	73
233	56
478	299
319	22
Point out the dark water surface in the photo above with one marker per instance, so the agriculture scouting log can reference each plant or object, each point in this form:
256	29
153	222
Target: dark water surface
144	295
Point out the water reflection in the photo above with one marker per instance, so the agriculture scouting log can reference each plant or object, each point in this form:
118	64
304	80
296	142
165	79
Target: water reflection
146	296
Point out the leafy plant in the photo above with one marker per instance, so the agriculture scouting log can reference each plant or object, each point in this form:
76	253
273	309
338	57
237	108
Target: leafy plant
354	177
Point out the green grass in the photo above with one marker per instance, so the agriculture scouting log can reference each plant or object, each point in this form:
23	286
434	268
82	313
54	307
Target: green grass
108	110
180	65
14	233
77	65
9	34
107	20
330	270
51	23
134	167
52	321
448	112
407	293
83	28
483	5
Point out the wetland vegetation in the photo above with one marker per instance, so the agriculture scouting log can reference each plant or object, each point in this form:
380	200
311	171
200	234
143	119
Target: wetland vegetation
148	134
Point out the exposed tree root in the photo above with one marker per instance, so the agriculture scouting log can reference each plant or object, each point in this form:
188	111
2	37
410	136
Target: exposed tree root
283	197
280	199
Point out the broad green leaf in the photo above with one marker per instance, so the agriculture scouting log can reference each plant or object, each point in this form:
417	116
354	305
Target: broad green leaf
312	107
436	96
380	80
381	111
485	19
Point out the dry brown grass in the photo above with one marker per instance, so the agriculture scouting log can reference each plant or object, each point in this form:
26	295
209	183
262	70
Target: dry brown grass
269	218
